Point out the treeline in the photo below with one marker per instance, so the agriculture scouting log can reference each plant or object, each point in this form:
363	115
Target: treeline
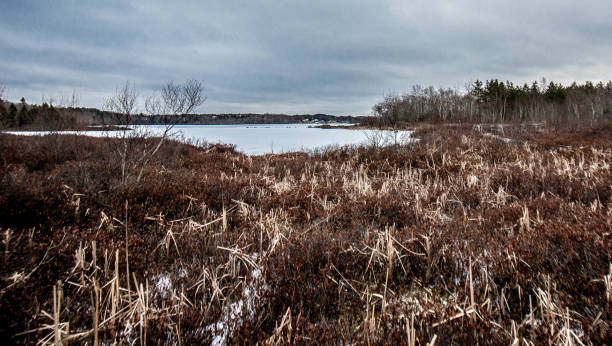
45	116
498	101
49	117
248	118
99	117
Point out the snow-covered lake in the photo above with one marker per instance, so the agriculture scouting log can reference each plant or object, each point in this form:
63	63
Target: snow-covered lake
260	138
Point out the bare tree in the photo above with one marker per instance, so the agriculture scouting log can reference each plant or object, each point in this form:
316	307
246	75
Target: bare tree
123	103
173	100
72	101
69	107
192	91
176	99
167	104
390	112
2	90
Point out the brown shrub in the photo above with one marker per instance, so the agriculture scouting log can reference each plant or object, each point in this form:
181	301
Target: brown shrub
345	244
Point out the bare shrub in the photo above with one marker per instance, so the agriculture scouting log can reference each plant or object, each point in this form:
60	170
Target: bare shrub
171	101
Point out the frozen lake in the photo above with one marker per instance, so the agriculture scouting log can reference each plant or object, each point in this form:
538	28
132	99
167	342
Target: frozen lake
255	139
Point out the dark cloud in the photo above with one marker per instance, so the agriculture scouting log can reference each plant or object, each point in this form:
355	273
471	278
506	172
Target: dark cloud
296	57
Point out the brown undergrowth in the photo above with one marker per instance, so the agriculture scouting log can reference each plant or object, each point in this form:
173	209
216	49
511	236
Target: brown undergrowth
460	238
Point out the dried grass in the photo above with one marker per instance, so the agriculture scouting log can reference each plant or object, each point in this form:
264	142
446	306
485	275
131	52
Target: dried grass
460	238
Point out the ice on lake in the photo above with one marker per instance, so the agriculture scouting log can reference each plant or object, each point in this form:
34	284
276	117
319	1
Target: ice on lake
259	138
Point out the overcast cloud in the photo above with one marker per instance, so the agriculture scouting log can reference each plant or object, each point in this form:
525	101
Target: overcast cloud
296	56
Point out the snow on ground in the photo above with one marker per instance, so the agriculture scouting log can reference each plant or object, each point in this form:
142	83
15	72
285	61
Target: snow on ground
236	312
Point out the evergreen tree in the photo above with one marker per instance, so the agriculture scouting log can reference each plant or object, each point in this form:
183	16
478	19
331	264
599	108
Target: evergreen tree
24	117
12	115
4	115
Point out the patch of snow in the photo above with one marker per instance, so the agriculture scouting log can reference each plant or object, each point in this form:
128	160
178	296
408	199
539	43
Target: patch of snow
256	274
504	139
163	284
235	313
224	328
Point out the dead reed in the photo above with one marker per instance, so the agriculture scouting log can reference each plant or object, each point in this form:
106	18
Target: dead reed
460	238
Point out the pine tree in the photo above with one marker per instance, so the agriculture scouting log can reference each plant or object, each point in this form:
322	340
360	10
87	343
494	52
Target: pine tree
24	116
12	115
478	91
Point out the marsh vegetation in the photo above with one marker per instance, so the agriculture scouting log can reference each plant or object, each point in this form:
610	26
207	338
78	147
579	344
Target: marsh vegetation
459	238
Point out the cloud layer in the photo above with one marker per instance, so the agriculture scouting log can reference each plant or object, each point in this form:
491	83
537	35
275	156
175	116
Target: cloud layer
296	56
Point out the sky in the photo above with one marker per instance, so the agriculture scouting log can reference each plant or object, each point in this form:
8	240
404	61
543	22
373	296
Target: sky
295	57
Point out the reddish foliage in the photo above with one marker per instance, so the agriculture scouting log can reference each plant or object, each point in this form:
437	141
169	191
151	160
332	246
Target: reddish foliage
56	190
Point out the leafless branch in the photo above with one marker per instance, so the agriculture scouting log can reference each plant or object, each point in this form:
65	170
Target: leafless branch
153	105
70	102
123	103
173	99
192	92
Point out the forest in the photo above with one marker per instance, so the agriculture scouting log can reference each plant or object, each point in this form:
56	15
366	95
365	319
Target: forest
495	101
